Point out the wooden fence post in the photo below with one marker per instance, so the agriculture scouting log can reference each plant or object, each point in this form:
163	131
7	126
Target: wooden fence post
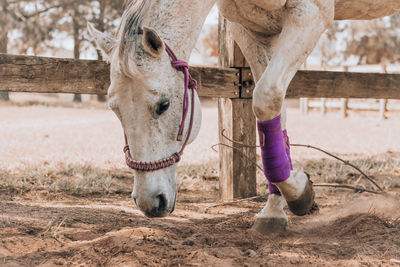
383	102
344	103
382	108
305	105
323	106
237	121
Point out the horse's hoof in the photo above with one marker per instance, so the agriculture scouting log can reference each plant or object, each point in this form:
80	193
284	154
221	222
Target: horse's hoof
305	203
270	225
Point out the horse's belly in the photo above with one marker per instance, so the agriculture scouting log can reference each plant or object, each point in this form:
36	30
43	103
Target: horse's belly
251	16
365	9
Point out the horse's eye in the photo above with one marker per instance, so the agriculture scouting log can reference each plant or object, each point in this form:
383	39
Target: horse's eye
162	107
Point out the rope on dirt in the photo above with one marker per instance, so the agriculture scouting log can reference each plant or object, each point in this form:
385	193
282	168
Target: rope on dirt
231	202
240	152
346	162
357	189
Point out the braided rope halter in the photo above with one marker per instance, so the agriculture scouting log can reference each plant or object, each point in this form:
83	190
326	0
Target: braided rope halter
190	83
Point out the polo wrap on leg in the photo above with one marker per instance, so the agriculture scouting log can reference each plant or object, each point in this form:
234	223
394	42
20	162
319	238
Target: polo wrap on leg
273	189
287	147
276	162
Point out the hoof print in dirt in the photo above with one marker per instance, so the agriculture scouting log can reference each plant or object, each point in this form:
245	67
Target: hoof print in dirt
305	203
269	225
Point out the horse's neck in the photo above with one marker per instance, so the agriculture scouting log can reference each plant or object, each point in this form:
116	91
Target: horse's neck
178	22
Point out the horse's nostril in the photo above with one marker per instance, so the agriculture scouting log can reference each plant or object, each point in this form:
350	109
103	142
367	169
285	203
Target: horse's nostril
162	203
134	199
157	206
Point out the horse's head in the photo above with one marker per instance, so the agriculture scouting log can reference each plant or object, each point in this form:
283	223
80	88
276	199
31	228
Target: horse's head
147	93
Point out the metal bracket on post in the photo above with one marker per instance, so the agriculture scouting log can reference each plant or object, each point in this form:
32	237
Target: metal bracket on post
247	83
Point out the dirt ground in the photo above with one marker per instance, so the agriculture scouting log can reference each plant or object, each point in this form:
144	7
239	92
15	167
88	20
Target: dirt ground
65	196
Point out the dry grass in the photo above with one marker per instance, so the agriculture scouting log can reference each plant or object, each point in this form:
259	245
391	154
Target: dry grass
77	180
87	179
385	168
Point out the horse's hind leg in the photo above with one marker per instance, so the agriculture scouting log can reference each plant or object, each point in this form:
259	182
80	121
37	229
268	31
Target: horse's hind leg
304	22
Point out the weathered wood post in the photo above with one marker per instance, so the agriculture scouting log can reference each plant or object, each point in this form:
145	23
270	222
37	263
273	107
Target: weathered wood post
383	102
305	107
323	106
382	108
344	103
237	121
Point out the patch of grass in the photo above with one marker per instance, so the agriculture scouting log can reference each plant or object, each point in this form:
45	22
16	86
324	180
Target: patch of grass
88	179
385	168
70	179
198	177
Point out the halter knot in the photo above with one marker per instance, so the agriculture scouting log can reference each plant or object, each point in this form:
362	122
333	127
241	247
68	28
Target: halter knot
183	66
180	64
192	83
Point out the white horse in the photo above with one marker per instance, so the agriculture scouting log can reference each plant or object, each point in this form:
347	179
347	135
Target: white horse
149	97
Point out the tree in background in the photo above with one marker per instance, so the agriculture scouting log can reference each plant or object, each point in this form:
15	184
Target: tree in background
363	42
210	40
47	20
102	13
105	18
12	14
377	42
4	28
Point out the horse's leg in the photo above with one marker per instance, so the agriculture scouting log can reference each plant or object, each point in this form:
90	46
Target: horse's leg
272	217
304	22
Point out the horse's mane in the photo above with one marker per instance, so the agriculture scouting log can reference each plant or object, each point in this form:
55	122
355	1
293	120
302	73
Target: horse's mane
131	22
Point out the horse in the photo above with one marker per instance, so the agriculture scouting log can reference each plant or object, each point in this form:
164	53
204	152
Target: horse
152	92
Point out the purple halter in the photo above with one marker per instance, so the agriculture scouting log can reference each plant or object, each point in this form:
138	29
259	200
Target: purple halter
190	83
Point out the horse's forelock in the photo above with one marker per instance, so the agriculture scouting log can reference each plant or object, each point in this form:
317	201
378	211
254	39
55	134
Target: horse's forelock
131	22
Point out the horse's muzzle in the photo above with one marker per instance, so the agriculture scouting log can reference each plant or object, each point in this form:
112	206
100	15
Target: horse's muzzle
157	206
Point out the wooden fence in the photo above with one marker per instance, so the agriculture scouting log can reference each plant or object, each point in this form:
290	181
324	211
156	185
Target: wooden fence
232	85
60	75
343	104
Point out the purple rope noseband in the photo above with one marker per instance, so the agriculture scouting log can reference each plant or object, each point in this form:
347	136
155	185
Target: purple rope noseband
190	83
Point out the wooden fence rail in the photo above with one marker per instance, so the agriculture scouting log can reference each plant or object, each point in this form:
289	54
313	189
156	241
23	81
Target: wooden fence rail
61	75
56	75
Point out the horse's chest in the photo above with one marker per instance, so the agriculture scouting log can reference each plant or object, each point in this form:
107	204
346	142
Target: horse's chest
251	16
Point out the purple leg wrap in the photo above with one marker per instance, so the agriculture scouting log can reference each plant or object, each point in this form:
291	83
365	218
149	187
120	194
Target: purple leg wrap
287	147
273	189
275	152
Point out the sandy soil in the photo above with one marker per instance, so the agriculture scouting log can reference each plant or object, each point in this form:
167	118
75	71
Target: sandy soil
109	231
40	226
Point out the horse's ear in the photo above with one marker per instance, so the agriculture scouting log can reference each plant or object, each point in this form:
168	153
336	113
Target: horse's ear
152	42
105	43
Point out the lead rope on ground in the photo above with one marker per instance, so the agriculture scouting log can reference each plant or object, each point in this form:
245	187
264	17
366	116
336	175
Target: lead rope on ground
357	188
